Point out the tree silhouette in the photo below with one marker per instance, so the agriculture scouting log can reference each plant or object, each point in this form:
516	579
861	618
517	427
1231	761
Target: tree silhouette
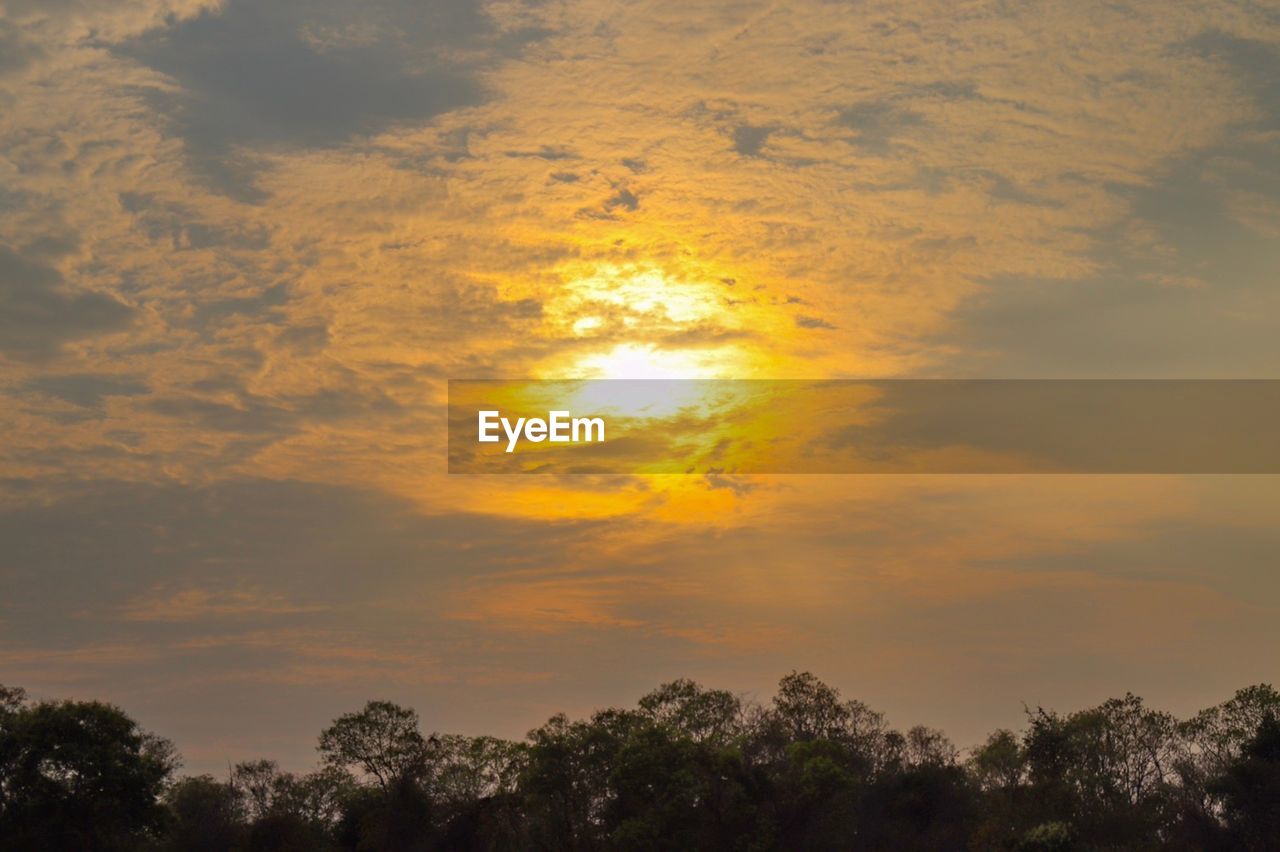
1250	790
382	741
78	775
688	768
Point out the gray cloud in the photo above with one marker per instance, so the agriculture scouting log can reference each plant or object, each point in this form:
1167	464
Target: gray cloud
261	306
15	52
162	595
624	198
38	313
1195	305
314	74
311	542
306	339
252	414
182	227
87	390
748	140
803	321
878	124
546	152
1256	63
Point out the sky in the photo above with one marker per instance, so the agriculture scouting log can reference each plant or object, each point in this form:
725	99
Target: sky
244	245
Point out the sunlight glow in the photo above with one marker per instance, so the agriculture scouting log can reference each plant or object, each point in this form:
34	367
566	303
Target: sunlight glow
645	361
642	296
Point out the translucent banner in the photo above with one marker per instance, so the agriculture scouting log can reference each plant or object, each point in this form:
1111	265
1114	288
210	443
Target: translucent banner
853	426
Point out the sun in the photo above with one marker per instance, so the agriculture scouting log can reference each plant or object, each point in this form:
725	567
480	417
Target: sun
630	321
647	361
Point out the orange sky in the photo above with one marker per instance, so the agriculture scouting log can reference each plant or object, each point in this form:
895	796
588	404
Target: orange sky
244	245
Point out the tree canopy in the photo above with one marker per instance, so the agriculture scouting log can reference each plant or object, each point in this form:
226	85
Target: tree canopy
687	768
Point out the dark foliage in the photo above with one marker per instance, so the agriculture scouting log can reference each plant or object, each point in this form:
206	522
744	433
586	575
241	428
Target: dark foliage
78	775
688	768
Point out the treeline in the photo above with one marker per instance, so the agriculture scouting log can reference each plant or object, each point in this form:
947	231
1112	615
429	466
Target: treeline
688	768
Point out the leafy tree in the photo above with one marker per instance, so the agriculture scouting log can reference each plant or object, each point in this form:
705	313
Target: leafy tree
566	780
1107	771
657	787
78	775
807	708
688	768
999	772
207	816
928	807
1219	733
382	741
701	714
12	699
399	818
998	765
818	753
314	799
1213	739
1250	790
1048	837
929	747
465	769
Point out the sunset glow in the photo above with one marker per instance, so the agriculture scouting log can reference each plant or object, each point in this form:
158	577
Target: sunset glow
245	245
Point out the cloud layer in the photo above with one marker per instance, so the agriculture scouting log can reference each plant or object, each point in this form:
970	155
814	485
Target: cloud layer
243	245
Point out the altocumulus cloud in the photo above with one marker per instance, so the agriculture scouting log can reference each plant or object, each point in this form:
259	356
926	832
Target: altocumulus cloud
38	313
313	74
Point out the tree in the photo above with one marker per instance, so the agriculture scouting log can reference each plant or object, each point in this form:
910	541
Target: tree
400	818
1214	737
464	769
565	781
929	747
1108	771
1250	790
207	816
689	768
1219	733
807	708
285	811
928	807
998	764
12	699
78	775
382	741
657	789
701	714
998	769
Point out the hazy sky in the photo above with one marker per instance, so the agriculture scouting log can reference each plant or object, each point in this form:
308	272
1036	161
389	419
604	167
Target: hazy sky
243	245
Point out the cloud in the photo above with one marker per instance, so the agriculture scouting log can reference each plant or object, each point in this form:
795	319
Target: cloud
878	124
624	198
306	215
1254	61
257	76
16	53
87	390
192	605
39	314
134	548
260	307
804	321
1180	288
748	140
259	73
